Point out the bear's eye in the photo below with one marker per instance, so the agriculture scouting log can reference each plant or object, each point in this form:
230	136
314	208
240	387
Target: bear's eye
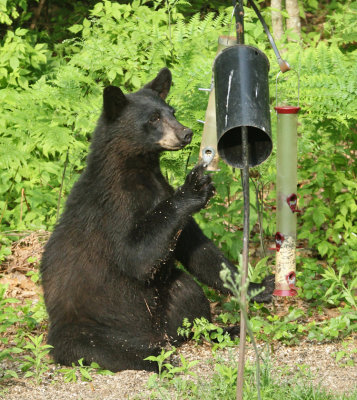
155	117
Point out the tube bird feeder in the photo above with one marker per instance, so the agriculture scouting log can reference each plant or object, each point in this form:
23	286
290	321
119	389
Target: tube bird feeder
209	135
286	187
242	101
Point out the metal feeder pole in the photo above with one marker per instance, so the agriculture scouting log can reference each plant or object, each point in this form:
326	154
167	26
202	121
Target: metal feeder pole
239	15
243	132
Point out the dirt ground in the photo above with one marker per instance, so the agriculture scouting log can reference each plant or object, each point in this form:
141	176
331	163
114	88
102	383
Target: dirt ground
314	361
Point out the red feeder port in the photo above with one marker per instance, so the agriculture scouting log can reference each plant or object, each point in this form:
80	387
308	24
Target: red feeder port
292	291
279	239
292	202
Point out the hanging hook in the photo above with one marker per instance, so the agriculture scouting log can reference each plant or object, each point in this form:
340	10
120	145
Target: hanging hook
276	86
284	65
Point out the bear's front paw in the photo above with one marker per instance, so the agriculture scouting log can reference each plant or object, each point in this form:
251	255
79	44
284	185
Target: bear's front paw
266	295
197	189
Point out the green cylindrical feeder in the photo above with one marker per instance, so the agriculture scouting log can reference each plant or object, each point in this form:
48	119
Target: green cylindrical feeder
209	135
286	188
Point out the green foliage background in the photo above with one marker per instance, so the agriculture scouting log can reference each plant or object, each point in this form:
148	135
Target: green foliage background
50	99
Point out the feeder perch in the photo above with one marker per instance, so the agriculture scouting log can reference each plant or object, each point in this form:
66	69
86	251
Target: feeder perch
208	154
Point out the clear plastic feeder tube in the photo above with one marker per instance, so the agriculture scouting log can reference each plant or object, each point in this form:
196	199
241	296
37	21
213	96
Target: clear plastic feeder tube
286	193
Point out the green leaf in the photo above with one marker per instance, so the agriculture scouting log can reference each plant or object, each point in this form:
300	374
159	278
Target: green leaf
86	23
340	355
12	373
16	350
75	28
85	374
151	358
111	75
323	248
14	63
318	217
97	9
21	32
136	81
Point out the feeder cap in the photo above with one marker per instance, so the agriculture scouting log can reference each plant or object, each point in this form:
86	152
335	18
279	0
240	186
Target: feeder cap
287	109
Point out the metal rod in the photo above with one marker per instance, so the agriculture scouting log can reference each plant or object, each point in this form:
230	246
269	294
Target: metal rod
284	66
239	15
244	271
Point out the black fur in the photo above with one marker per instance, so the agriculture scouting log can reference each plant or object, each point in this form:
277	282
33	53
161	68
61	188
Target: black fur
111	287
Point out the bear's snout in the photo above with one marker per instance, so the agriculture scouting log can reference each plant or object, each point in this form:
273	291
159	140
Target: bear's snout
187	136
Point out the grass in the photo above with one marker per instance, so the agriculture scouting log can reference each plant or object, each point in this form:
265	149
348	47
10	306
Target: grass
222	386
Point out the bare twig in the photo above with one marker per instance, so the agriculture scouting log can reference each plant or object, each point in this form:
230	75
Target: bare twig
23	197
27	204
62	182
232	284
8	195
37	14
259	188
21	203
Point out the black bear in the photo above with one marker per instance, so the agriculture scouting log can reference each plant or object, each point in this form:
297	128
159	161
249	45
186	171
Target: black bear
111	288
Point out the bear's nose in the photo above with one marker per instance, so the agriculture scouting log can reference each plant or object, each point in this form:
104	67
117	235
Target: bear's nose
187	135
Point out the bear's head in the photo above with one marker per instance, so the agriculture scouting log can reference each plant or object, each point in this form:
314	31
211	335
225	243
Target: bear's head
143	120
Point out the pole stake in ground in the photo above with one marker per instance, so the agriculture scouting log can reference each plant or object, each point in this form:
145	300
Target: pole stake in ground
243	132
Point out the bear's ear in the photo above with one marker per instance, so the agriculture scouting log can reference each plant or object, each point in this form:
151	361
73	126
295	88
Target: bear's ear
162	83
114	101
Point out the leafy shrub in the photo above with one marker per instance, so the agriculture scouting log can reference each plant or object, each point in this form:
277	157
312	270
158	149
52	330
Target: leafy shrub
84	372
22	60
45	125
49	103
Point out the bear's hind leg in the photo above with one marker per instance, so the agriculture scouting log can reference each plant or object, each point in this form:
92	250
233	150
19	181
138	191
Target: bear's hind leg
185	299
104	346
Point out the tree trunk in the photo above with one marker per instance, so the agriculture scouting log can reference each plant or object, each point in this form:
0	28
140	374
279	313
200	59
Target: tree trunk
293	22
277	19
37	14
